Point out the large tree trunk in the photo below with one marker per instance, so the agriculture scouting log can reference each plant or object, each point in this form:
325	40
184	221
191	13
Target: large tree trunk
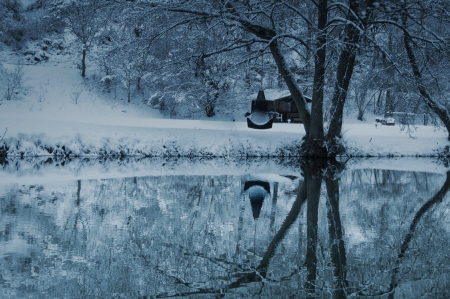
344	73
83	63
283	68
440	110
292	85
389	107
129	90
314	145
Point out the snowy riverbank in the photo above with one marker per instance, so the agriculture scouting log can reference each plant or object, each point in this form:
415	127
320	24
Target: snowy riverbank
30	135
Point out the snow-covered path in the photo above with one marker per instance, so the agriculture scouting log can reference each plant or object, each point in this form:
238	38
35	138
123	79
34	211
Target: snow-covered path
156	123
368	139
34	135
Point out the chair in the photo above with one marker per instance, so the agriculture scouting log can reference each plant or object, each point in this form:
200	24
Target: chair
278	117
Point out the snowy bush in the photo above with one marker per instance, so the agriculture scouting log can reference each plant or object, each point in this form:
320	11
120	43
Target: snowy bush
154	101
12	80
19	24
167	102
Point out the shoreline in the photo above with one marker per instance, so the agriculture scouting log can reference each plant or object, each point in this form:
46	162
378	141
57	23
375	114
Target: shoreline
140	137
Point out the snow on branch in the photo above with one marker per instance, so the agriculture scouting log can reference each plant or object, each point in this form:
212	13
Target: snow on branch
345	21
297	11
405	31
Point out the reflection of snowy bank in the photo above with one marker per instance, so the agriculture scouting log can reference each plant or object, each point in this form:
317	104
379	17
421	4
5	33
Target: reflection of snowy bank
45	169
165	227
34	170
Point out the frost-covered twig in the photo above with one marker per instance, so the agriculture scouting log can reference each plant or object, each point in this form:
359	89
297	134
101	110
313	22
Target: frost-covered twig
6	130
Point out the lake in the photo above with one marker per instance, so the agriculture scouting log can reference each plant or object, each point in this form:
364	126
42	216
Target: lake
254	228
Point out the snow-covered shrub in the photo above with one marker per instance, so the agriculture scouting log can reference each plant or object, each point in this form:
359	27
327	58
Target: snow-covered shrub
168	105
12	80
13	34
166	102
19	24
154	101
3	147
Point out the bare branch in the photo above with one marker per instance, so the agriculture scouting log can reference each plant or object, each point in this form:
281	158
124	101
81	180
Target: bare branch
297	11
6	130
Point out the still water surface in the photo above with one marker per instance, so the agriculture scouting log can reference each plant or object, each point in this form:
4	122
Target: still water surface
321	231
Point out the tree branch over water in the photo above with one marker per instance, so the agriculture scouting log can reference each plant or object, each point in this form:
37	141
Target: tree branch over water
412	228
261	270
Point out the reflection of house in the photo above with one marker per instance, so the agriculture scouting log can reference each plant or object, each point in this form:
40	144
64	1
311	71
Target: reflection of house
284	108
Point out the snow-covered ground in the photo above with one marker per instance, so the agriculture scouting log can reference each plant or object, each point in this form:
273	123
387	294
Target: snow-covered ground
58	113
32	134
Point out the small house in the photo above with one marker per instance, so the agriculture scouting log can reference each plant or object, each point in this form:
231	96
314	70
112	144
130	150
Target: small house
284	108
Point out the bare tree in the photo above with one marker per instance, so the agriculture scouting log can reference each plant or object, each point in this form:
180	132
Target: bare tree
417	73
12	80
263	25
85	19
419	60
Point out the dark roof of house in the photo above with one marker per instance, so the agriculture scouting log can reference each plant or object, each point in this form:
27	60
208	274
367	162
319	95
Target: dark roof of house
289	97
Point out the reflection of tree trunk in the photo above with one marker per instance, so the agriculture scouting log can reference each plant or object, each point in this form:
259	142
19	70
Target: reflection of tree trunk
425	208
240	228
274	205
77	216
290	219
309	189
338	255
314	182
386	178
78	193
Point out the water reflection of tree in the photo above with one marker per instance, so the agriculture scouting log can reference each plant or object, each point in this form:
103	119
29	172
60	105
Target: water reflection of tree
315	172
436	199
335	230
176	257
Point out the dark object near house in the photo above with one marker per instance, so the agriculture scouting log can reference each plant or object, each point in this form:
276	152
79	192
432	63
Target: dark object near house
408	118
260	118
386	121
257	191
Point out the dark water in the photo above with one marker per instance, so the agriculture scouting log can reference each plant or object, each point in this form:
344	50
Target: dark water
320	231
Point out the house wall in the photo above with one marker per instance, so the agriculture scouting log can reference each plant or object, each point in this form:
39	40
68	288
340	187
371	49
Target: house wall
287	108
